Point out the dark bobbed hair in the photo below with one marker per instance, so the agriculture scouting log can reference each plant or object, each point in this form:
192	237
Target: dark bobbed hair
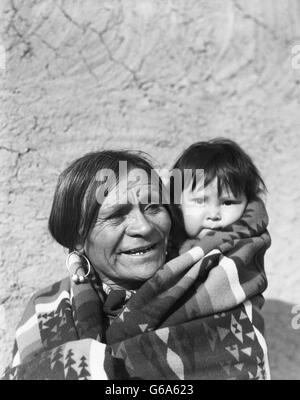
224	159
75	205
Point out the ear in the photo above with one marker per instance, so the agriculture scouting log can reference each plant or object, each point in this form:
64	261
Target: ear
79	248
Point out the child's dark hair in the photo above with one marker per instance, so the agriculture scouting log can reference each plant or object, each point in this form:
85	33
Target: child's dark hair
224	159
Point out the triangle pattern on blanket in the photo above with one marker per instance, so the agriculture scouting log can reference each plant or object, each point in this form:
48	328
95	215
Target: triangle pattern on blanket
121	316
233	350
243	315
143	327
163	334
239	366
251	335
236	329
223	332
56	358
247	351
260	372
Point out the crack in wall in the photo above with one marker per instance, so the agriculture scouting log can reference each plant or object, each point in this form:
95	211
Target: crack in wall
258	22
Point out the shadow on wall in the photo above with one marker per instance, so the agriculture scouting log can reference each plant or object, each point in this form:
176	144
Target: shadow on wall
283	338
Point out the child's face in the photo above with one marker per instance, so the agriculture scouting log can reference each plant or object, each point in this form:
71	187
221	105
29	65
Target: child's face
204	210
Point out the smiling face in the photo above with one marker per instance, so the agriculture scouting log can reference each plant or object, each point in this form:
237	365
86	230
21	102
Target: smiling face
204	209
128	242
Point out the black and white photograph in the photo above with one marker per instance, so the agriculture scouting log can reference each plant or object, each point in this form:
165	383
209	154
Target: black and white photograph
149	192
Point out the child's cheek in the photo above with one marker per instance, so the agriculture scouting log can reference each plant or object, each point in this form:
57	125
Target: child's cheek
193	220
192	227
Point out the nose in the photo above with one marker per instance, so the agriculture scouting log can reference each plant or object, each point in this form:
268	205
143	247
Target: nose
214	213
138	224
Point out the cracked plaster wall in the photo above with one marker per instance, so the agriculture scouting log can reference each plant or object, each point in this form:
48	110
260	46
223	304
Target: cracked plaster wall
154	75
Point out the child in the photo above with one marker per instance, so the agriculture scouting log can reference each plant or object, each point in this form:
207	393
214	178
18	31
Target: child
230	181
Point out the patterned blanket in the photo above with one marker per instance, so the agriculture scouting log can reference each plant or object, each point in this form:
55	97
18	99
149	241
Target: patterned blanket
198	317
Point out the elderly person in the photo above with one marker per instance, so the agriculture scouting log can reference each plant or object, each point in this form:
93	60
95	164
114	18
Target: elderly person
129	311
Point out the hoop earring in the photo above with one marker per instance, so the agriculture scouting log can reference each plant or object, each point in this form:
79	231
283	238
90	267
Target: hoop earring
74	262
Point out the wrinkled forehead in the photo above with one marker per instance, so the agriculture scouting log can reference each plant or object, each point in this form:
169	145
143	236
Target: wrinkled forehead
134	187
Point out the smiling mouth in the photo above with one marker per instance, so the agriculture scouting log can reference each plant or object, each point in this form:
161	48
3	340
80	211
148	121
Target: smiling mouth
140	250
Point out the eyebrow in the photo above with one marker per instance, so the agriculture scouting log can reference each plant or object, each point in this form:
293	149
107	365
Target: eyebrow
114	209
150	196
118	208
222	198
199	196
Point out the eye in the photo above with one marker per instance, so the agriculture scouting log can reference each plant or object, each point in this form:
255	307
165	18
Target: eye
153	208
230	202
114	217
199	201
112	220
